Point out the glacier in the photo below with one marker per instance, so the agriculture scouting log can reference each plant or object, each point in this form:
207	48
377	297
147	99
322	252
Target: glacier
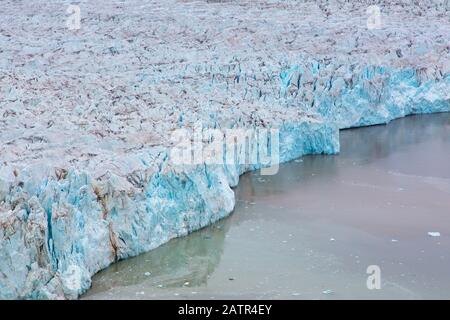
85	174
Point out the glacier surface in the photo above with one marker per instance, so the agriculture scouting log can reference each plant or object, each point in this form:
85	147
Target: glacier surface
85	174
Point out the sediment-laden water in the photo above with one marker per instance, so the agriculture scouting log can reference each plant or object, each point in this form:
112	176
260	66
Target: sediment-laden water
312	230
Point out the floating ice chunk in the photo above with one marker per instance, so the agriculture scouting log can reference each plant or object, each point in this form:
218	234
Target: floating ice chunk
434	234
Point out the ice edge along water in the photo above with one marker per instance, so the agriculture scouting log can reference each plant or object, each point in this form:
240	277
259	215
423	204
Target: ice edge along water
61	229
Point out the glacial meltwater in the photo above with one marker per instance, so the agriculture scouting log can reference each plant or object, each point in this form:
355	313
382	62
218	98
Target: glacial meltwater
312	230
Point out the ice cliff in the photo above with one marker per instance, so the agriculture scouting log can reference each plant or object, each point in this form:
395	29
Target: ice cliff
86	115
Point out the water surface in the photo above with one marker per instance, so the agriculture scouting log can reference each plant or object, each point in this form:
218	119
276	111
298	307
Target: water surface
311	231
